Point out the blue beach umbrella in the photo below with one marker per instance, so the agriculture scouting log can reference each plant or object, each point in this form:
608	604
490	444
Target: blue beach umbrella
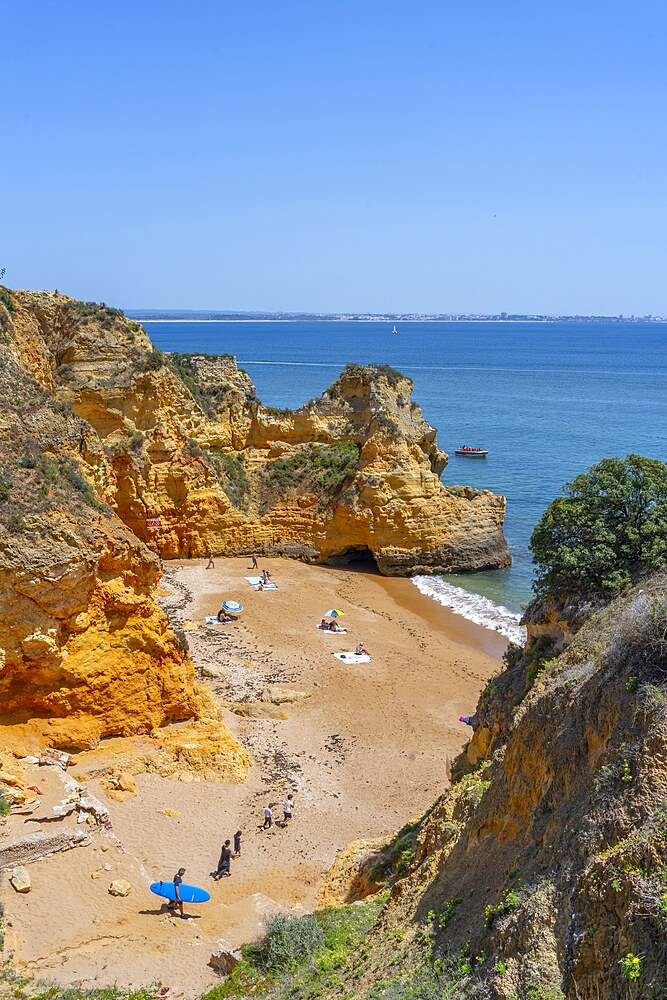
334	613
232	606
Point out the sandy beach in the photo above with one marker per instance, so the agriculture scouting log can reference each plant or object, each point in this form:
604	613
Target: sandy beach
362	754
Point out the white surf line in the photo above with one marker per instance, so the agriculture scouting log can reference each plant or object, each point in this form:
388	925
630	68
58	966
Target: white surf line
474	607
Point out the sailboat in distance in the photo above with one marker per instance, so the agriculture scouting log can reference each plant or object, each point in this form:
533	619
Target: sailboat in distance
394	330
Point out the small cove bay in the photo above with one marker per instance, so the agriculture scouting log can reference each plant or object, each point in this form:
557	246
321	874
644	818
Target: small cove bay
547	400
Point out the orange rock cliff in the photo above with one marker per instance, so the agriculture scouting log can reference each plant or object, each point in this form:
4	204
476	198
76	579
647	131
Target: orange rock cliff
85	652
184	439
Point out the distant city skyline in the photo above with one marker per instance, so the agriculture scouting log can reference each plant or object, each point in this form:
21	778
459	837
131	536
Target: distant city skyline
367	158
174	315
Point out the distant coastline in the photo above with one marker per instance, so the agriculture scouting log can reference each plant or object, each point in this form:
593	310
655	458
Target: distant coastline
304	318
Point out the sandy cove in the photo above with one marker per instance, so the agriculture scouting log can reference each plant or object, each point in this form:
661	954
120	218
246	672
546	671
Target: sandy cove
363	754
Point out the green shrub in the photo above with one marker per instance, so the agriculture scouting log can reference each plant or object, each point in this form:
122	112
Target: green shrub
374	371
232	475
15	523
4	805
154	360
288	941
632	966
608	529
323	468
7	300
510	902
105	315
542	991
651	702
207	395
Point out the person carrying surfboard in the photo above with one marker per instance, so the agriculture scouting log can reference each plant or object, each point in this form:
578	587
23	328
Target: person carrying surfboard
177	902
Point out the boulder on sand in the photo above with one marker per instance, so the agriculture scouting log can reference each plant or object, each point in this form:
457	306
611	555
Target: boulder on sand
20	880
120	887
224	961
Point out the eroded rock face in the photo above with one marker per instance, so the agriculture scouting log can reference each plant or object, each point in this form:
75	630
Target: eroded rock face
85	652
186	441
548	856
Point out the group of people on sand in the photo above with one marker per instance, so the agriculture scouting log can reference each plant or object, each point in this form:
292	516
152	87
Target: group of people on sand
288	810
227	852
224	868
226	855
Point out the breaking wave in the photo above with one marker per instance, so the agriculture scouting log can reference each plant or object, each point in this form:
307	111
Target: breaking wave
474	607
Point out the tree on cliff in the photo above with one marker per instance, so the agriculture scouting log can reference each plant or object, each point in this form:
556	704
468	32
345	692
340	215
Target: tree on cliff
608	529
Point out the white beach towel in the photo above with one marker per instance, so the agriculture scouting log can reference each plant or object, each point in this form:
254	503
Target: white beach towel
212	620
352	657
254	580
267	586
327	631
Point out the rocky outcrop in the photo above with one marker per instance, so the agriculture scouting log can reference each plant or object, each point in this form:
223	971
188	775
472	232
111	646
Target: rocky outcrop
543	871
183	442
85	652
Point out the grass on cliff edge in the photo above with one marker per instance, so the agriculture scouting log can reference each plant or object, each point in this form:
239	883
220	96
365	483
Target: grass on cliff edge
17	987
299	957
322	469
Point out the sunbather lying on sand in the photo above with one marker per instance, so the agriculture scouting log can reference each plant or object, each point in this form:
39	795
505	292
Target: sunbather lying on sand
330	626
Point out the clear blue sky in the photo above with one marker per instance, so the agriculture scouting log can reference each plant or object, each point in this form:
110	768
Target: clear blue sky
427	155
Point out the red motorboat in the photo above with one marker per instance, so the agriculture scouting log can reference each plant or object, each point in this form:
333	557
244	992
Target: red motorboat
465	452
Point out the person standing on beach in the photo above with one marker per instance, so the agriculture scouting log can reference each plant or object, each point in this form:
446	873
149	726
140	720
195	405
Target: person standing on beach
211	563
177	903
254	562
224	864
288	806
237	844
268	818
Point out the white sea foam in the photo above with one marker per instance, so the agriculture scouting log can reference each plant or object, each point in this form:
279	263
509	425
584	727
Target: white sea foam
474	607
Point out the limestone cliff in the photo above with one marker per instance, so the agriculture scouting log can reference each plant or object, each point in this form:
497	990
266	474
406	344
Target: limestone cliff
85	651
184	439
542	873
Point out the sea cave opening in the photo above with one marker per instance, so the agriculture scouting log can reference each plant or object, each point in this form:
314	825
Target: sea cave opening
355	558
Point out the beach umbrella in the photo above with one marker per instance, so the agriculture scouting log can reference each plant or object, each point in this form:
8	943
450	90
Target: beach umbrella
334	613
232	606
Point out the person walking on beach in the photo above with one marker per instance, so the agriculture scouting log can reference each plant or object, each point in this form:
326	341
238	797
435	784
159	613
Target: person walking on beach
237	844
177	903
211	563
268	818
288	806
254	562
224	864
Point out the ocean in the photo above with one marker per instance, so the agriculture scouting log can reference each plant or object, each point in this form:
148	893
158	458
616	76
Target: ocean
546	399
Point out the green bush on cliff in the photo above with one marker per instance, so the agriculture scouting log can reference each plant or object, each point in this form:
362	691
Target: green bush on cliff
374	371
207	395
608	529
288	941
103	314
232	475
318	468
300	956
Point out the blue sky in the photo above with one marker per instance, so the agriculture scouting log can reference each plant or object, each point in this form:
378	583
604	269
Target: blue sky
426	155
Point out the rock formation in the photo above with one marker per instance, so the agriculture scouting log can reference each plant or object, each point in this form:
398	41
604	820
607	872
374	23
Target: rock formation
85	652
184	441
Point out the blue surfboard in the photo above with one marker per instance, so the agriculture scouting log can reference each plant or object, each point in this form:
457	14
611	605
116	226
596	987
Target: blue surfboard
188	893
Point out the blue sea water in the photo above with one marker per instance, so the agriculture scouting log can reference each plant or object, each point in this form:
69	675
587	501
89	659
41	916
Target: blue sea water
547	399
